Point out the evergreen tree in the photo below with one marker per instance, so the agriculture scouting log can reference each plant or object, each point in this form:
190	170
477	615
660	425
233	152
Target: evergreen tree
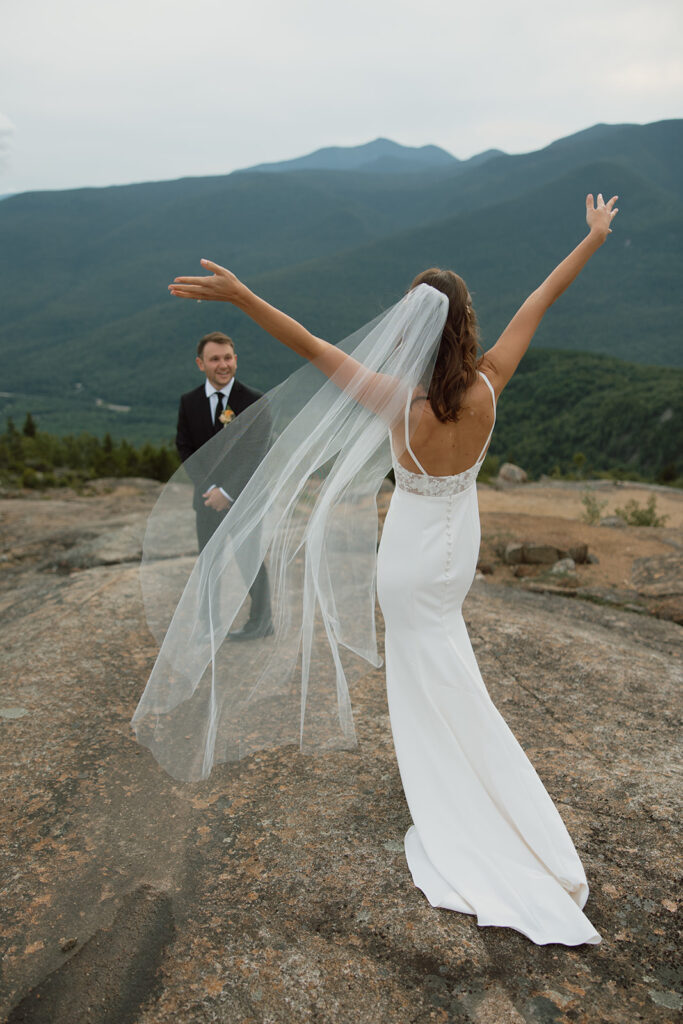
29	429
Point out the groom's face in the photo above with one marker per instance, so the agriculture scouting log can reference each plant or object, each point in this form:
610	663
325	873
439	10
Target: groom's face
218	362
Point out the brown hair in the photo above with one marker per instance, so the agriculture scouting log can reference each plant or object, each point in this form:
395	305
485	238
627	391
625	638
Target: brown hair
218	337
455	369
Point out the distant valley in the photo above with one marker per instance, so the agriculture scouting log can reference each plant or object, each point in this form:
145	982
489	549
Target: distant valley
87	326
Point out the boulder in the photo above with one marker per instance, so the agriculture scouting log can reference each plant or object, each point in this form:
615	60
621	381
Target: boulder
511	474
112	547
613	521
542	554
514	554
579	552
563	567
659	575
528	553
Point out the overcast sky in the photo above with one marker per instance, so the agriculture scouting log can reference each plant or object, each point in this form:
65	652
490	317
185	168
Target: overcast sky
100	92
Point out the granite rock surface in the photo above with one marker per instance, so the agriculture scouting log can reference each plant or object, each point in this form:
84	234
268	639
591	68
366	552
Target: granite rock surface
277	890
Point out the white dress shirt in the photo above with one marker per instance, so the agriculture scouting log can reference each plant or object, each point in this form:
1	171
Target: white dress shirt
211	393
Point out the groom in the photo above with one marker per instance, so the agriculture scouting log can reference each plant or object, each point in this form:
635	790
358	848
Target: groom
201	415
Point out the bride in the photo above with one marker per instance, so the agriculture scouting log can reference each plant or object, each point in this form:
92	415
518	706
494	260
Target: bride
486	838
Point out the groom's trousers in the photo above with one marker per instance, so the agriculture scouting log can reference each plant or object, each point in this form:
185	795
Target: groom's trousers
208	521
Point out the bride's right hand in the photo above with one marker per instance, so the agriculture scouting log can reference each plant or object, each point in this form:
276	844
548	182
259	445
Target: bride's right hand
220	286
600	216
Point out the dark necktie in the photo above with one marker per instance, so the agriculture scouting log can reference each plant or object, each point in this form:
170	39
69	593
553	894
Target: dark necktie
219	409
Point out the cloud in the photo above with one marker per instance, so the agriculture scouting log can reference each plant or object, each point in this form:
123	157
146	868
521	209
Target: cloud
641	78
147	89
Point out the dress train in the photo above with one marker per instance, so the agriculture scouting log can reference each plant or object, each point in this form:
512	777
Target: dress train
486	837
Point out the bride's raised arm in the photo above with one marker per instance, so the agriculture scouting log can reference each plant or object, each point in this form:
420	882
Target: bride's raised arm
371	389
501	361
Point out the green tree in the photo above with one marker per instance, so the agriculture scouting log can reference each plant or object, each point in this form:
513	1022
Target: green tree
29	428
579	460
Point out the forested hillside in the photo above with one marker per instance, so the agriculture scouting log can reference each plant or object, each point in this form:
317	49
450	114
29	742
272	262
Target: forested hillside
87	325
620	416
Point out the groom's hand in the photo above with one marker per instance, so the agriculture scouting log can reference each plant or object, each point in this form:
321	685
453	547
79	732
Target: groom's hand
215	499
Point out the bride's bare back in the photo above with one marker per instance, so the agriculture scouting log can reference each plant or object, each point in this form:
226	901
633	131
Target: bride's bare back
445	449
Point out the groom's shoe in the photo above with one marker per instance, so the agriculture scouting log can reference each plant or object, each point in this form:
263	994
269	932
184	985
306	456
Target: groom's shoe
252	631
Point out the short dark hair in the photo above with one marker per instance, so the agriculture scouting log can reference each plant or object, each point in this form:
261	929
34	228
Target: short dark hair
218	337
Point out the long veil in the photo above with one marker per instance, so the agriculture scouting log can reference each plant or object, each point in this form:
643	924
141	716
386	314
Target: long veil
305	463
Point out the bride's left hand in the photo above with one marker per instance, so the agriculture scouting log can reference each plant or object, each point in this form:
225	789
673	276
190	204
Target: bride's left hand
220	286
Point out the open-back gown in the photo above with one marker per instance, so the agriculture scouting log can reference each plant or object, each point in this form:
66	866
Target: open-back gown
486	838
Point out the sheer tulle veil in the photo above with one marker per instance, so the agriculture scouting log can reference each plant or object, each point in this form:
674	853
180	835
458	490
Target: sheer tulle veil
306	462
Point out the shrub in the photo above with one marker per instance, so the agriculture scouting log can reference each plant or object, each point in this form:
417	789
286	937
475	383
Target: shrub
593	508
33	458
668	474
638	515
579	460
30	479
489	468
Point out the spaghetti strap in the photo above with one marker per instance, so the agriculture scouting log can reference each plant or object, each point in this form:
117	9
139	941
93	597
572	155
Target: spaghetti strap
493	399
412	454
409	449
490	387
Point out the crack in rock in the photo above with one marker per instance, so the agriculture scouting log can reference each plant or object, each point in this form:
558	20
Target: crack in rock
113	974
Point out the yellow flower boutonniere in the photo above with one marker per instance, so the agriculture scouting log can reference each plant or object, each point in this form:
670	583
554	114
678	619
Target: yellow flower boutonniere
226	416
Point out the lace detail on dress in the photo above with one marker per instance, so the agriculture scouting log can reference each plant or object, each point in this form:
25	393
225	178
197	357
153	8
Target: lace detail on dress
438	486
435	486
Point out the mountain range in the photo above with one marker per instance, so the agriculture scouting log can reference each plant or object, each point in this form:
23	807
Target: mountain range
382	156
334	237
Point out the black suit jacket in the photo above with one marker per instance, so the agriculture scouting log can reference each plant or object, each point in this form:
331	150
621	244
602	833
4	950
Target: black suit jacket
195	428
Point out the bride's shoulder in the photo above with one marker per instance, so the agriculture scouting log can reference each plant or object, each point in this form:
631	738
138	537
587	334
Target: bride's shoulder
487	368
476	403
419	397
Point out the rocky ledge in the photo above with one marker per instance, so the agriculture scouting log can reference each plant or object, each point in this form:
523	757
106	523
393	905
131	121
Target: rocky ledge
277	891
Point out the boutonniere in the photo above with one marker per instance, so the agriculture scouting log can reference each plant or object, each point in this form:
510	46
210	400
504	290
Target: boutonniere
226	416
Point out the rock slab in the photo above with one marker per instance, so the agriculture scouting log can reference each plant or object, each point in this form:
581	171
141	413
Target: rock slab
277	890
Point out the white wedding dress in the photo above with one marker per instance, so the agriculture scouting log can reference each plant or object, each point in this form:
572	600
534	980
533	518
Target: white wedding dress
486	838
